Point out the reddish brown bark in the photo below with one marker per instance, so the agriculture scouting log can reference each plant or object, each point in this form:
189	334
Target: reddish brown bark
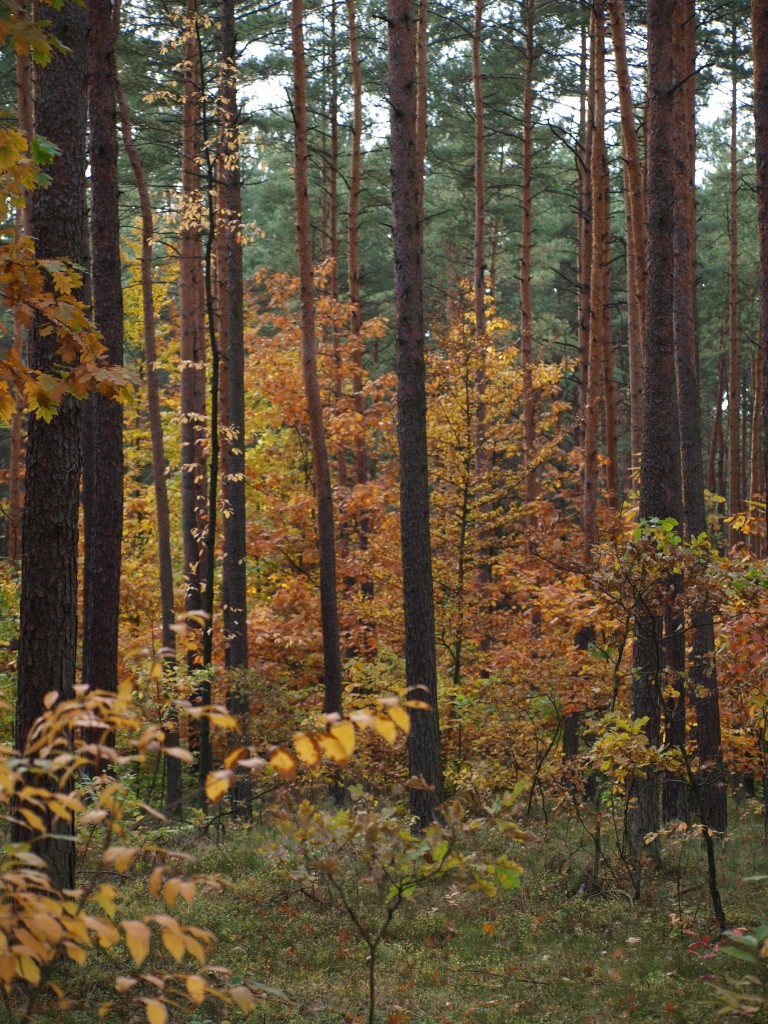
710	798
408	251
320	467
159	482
599	265
231	346
192	315
526	248
734	346
102	418
635	221
760	63
584	226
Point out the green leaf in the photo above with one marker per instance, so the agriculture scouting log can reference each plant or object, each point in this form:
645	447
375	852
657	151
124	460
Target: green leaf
43	151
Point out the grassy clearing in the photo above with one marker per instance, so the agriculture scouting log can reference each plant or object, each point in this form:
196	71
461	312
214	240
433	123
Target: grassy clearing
537	954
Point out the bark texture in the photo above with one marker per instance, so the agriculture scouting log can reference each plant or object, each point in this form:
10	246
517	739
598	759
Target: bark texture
102	418
711	794
230	249
320	467
48	633
660	469
408	249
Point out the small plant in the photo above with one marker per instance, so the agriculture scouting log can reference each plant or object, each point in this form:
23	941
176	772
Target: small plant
368	862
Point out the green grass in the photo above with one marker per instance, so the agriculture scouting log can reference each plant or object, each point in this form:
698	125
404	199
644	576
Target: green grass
544	954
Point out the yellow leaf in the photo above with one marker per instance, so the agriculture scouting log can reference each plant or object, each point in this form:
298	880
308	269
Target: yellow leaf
195	948
489	928
345	734
155	879
156	1012
28	970
218	783
307	749
244	998
104	1009
174	943
332	748
400	717
123	984
235	756
419	705
385	727
33	820
223	721
197	987
137	938
283	762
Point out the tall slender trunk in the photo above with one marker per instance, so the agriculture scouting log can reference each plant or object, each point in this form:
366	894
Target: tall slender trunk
25	114
320	468
192	315
102	418
636	230
600	268
660	469
173	785
734	348
408	251
711	795
584	226
757	474
353	274
231	344
421	75
760	63
526	248
48	619
482	461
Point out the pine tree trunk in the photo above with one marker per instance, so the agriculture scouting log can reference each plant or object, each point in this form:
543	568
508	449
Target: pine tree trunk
526	248
599	266
635	220
408	249
25	115
584	226
173	782
231	344
102	417
48	623
422	92
320	467
353	249
734	349
192	315
760	61
711	794
660	469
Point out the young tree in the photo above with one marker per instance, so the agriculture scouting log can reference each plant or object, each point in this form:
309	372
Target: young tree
48	624
408	250
320	467
102	418
734	327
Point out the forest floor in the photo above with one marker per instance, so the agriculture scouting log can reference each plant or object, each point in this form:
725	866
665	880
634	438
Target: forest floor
540	953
